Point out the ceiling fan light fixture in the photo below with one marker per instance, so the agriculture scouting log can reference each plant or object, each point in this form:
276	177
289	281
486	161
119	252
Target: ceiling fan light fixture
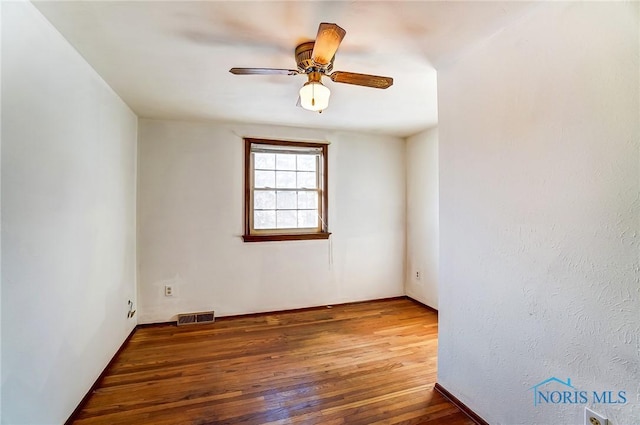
314	96
315	60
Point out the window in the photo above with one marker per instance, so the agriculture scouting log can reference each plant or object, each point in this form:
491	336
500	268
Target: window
285	190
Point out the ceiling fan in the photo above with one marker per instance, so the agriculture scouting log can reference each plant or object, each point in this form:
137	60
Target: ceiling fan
315	60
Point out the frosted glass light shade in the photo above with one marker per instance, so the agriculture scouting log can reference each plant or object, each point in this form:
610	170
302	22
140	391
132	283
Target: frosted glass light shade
314	96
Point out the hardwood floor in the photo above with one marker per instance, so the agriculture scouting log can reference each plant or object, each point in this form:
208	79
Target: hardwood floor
365	363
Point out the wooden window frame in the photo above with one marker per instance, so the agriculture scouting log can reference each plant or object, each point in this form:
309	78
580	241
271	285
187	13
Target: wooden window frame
250	234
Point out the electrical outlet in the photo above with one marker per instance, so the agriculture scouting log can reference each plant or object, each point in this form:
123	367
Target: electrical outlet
131	311
168	290
593	418
418	275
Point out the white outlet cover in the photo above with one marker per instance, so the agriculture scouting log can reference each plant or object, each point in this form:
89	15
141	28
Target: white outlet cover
589	414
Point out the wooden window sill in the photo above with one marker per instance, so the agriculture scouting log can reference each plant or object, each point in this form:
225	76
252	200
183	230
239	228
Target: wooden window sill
286	237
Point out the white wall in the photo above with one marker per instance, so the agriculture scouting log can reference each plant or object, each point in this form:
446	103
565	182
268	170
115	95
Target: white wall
68	221
539	181
190	199
0	217
422	217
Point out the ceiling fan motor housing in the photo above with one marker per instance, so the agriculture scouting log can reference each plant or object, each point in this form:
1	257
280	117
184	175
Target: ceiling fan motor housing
306	64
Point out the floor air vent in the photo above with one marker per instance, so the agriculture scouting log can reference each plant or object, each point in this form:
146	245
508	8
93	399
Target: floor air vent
196	318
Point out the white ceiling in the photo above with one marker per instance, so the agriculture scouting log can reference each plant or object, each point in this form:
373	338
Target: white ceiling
171	59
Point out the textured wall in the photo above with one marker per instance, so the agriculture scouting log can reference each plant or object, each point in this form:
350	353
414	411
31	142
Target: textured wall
190	215
539	183
68	221
422	217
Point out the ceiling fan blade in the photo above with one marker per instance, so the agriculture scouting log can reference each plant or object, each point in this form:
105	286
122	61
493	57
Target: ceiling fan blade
366	80
327	41
263	71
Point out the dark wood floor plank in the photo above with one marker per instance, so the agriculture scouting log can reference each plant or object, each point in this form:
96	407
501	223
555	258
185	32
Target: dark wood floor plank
364	363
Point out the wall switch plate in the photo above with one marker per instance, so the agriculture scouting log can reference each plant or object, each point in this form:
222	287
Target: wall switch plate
168	290
593	418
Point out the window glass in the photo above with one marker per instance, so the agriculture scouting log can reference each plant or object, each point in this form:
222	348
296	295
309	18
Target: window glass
285	190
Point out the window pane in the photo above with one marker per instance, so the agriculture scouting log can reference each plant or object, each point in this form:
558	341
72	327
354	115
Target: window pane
307	200
285	162
265	179
286	188
264	219
264	200
265	161
307	218
306	180
306	163
287	200
287	219
285	179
